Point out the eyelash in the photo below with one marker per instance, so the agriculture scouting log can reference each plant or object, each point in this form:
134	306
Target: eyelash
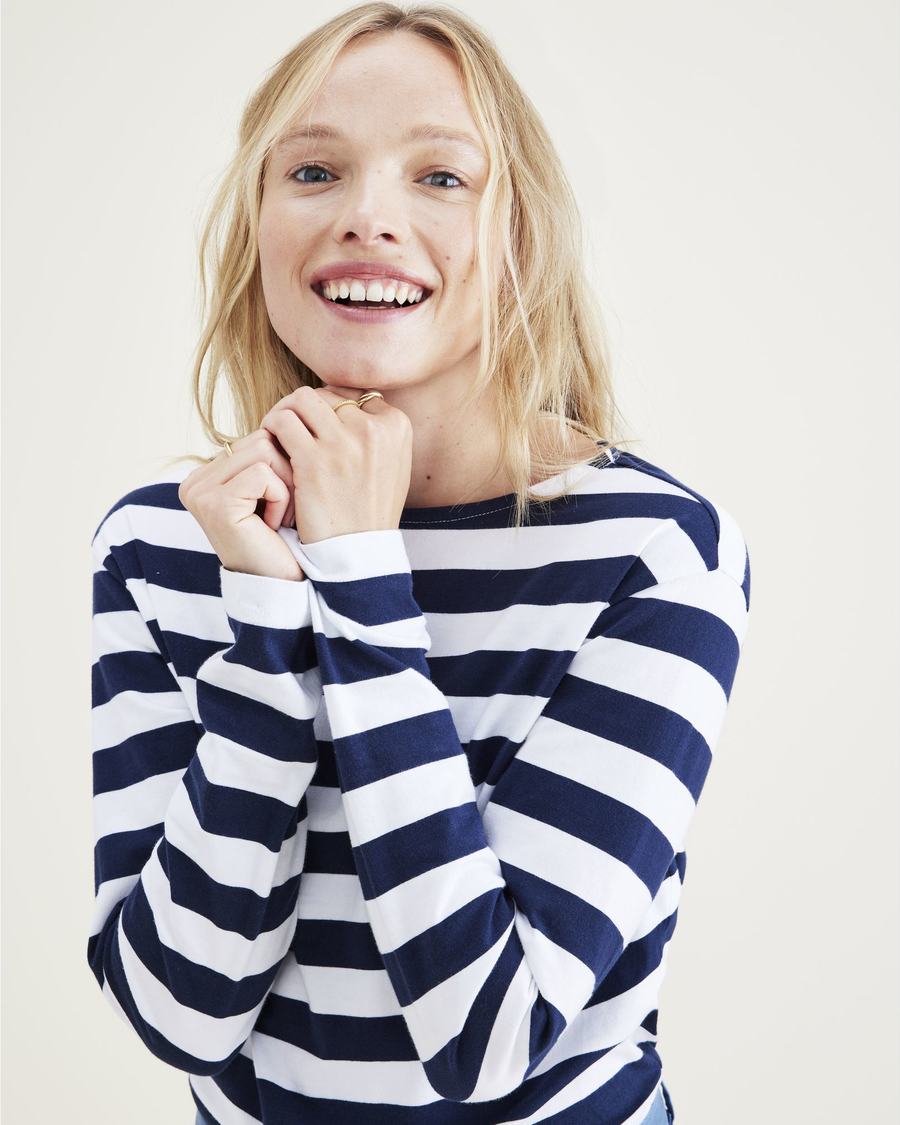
437	172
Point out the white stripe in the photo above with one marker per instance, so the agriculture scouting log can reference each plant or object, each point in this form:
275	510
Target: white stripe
332	897
732	548
228	860
417	904
409	632
572	864
407	797
338	991
656	676
509	716
109	895
713	591
120	630
113	1002
326	809
357	555
391	698
560	976
234	766
585	1084
663	906
198	939
507	1054
129	713
257	599
358	1080
205	1037
205	612
136	806
672	553
439	1015
291	694
514	629
500	548
218	1105
635	779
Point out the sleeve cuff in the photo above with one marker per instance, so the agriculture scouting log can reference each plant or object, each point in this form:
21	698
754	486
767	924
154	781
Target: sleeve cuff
255	599
358	555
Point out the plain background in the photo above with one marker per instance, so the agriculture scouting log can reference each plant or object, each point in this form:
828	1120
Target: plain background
737	169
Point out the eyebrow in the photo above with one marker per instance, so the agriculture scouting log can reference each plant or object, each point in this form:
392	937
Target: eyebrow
411	136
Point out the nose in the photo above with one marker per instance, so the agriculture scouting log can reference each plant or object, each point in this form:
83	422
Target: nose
372	212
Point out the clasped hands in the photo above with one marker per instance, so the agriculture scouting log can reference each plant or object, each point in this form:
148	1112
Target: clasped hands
351	467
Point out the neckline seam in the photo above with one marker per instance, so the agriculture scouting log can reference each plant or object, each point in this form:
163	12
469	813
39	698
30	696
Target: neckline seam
457	519
609	454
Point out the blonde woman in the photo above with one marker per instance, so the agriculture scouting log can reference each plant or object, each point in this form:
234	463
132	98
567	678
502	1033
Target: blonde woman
403	700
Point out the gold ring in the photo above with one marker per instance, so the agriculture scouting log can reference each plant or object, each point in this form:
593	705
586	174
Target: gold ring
226	445
371	394
346	402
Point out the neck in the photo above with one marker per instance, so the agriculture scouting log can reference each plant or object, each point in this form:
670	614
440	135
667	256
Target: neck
453	461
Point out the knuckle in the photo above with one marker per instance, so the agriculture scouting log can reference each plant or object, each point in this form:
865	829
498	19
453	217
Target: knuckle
202	503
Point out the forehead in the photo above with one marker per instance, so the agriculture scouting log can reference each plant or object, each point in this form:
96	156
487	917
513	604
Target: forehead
398	77
397	55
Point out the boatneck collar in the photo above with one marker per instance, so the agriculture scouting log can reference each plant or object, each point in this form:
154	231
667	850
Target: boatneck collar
452	513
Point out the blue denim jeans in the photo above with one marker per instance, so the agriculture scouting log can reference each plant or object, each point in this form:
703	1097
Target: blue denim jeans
661	1111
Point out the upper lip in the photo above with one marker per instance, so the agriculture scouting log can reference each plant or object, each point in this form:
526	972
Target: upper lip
365	269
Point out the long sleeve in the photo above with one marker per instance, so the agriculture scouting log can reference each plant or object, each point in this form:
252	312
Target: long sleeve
199	828
499	917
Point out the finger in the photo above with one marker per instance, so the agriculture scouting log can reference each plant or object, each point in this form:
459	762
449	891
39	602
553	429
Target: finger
343	392
347	415
258	482
258	447
310	405
292	435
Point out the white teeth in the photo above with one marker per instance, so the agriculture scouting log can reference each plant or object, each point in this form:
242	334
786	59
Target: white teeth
387	290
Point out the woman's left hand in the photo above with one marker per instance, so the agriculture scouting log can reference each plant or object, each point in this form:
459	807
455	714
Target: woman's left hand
351	466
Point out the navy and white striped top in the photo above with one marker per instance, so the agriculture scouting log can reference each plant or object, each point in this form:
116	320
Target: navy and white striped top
403	843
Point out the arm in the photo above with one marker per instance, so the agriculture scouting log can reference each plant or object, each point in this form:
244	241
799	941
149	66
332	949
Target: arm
199	829
497	925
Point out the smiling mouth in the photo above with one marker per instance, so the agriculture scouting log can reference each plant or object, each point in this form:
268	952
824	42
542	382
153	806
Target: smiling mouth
346	302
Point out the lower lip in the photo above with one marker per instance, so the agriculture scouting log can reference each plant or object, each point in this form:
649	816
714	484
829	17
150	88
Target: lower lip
370	316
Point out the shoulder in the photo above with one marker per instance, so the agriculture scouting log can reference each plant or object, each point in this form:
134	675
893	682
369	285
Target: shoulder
148	529
676	530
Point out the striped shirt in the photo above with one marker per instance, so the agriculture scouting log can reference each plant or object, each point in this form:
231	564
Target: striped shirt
403	843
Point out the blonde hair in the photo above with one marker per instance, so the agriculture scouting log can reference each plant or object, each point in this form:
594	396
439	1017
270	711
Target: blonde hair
543	342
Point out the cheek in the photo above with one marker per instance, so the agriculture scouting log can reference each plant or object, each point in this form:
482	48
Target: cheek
277	241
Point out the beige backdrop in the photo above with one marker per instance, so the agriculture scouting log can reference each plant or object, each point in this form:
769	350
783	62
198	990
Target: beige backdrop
737	166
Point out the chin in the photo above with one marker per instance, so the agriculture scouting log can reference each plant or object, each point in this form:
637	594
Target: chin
356	372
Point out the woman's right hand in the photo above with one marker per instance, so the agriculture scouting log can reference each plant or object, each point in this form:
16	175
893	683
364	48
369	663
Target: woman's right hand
224	497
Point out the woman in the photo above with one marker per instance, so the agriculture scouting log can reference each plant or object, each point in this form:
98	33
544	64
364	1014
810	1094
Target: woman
338	880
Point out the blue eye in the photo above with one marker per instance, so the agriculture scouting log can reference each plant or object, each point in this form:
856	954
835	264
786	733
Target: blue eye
306	167
295	175
452	175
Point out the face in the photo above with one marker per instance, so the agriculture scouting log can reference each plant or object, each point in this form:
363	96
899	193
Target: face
370	192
